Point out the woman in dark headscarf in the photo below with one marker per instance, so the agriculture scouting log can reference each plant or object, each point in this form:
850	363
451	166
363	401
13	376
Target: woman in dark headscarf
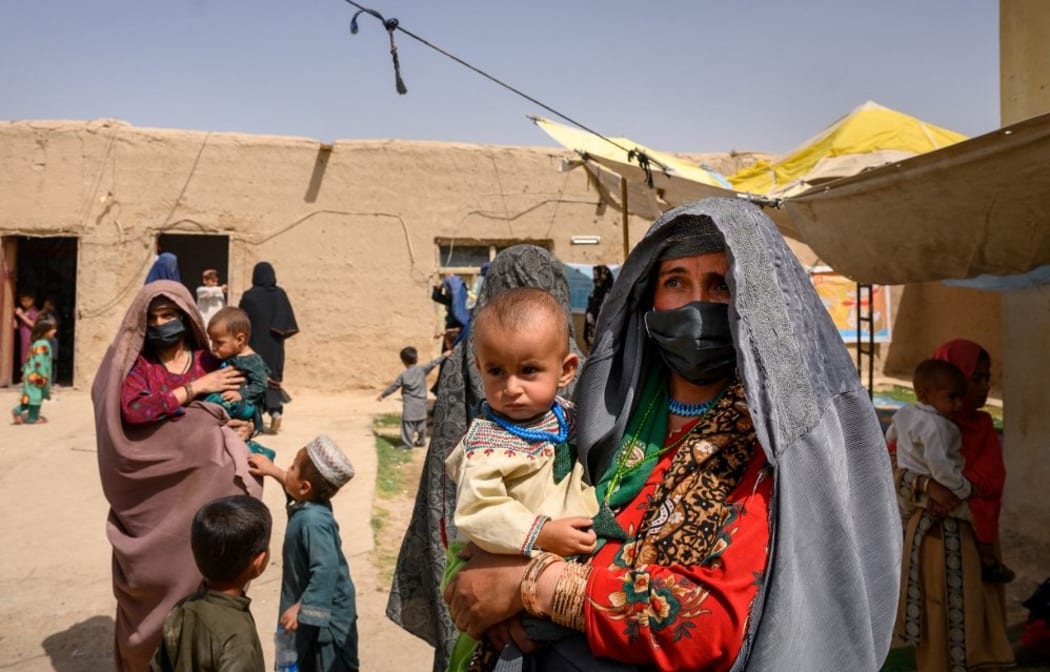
603	282
166	267
273	322
452	293
748	515
415	598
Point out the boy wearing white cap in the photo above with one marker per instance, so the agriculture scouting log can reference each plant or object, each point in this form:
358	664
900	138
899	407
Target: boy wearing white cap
317	593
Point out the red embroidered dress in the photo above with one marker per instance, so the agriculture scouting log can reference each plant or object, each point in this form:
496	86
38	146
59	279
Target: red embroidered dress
148	395
677	595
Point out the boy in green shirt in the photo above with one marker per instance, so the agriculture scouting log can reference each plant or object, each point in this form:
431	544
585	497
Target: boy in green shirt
212	630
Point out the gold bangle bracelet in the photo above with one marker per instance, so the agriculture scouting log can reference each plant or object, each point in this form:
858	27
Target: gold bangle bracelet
569	596
533	570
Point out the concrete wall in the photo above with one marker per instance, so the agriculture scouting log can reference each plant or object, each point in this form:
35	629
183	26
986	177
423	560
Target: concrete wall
1025	93
351	232
928	314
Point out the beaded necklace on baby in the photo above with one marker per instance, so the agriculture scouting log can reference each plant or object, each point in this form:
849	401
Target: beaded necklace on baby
533	435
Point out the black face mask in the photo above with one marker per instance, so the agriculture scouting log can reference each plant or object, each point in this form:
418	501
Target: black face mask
165	335
694	340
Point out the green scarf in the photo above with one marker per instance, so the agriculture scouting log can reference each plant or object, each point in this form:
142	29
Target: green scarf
638	452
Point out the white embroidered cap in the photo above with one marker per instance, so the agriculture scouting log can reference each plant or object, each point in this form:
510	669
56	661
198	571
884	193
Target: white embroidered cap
330	461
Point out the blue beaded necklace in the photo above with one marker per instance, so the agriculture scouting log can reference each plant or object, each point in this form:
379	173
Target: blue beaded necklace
533	435
693	410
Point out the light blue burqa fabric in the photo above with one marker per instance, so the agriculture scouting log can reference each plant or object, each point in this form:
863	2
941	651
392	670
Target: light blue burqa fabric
829	598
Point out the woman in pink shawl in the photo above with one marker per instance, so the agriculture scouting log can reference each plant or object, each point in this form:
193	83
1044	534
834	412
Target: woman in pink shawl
161	455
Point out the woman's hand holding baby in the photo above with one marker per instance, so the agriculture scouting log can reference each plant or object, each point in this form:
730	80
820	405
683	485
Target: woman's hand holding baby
219	380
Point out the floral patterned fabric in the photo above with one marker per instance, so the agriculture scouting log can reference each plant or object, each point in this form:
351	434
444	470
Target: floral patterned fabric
678	593
36	373
147	394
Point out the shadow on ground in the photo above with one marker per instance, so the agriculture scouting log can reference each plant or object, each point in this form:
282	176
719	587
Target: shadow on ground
83	647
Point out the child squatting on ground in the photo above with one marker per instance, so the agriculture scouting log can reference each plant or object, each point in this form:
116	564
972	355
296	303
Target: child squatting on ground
212	630
413	384
520	488
229	331
36	374
929	444
317	594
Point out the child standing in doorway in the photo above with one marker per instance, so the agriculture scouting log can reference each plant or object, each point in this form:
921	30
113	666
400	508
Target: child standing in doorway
48	311
36	375
318	599
520	488
413	384
26	313
211	297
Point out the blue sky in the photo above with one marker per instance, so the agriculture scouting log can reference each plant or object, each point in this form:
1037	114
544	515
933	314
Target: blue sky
689	76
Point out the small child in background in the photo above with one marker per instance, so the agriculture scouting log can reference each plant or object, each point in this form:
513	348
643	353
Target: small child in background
211	297
26	313
412	381
929	444
520	489
49	312
36	374
229	331
212	630
318	599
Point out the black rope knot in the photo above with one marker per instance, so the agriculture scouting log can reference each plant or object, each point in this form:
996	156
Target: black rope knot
390	25
644	163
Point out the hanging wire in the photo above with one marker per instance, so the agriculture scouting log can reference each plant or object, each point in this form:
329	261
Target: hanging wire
392	24
644	161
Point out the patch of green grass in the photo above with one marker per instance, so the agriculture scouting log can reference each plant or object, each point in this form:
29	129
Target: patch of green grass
386	420
379	518
390	476
898	393
391	463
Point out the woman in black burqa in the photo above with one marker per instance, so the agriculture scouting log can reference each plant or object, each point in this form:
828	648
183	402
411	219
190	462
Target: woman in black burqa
273	322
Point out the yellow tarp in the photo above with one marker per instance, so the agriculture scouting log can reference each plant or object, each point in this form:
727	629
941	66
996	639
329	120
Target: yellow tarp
590	145
870	135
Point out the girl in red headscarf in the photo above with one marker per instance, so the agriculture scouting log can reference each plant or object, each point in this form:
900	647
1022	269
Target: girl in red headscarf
952	607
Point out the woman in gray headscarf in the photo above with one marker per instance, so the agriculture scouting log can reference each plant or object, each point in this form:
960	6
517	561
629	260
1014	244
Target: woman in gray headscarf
415	597
748	514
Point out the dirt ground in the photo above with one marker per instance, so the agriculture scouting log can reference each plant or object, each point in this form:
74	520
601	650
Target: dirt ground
57	607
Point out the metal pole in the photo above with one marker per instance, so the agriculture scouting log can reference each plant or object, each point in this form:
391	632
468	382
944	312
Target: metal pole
623	211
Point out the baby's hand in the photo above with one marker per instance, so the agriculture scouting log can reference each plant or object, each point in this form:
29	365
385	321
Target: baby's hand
290	618
231	395
379	397
567	536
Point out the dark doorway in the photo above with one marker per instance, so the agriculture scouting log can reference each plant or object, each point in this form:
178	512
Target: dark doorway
47	267
196	254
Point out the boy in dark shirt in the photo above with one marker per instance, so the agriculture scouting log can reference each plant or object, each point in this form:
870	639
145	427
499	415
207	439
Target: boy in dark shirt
318	598
212	630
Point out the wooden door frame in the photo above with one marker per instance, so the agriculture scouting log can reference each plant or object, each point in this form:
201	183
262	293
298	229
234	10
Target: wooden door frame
8	273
